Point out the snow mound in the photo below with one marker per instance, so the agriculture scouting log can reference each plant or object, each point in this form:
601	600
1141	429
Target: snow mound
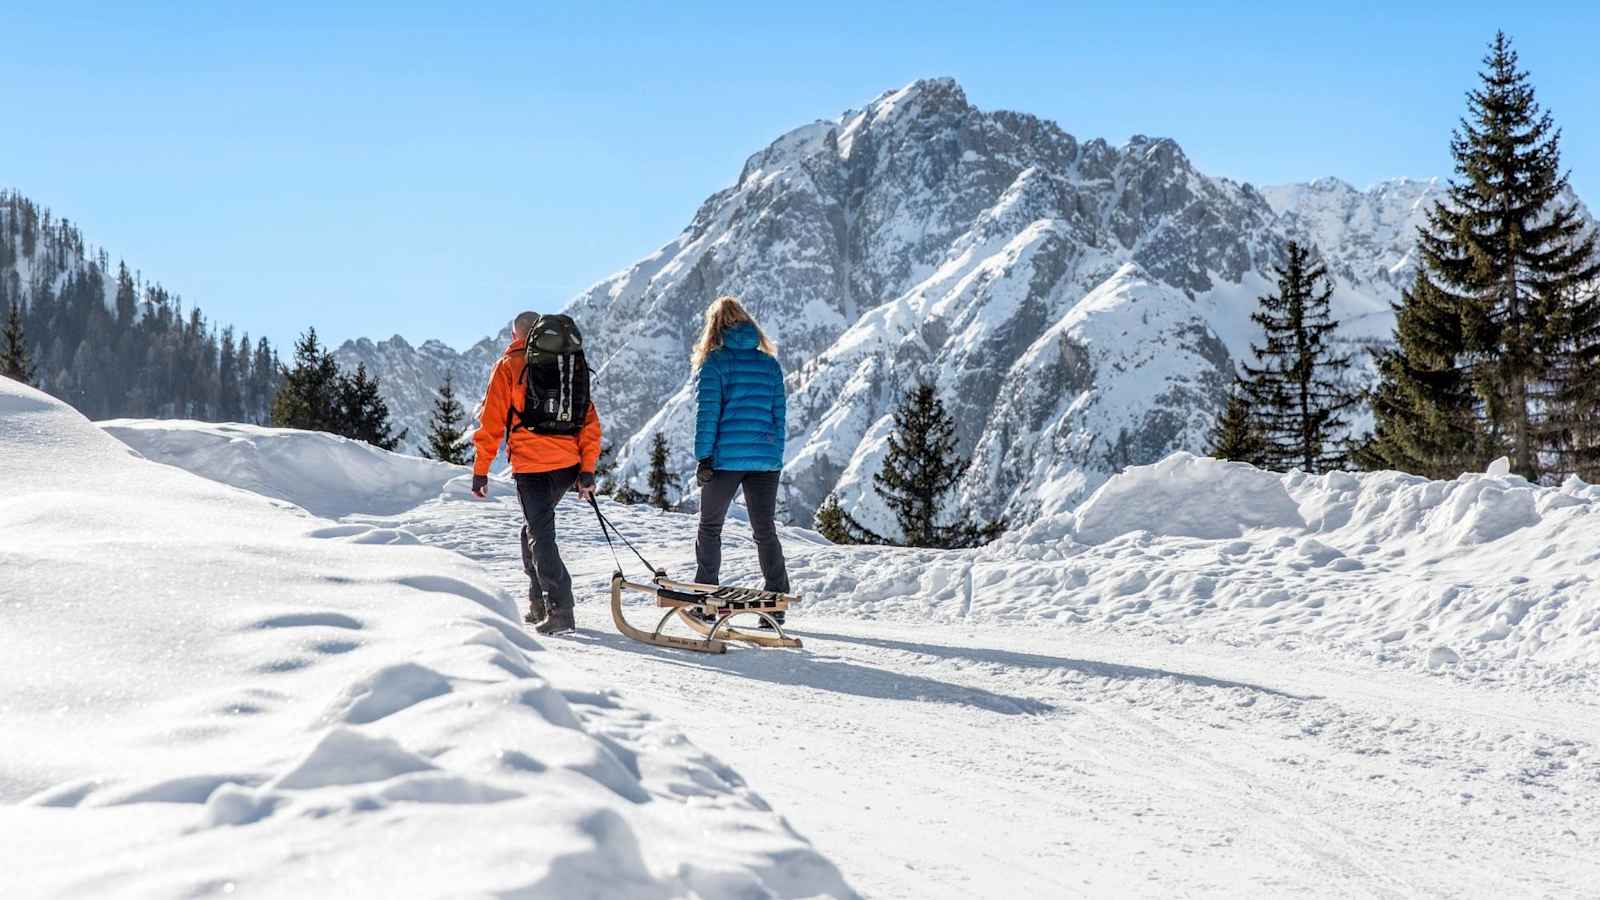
206	693
324	474
1187	496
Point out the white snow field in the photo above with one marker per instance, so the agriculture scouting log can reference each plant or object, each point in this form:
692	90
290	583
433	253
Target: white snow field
1206	681
206	692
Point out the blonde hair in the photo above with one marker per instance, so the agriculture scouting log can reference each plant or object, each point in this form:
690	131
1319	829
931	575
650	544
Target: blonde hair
724	313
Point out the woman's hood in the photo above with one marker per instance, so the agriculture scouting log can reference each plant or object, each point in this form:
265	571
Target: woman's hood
742	336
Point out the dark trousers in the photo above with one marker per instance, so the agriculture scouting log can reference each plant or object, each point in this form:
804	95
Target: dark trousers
541	559
761	498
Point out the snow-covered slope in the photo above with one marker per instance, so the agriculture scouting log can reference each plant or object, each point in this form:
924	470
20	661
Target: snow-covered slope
1080	304
205	693
325	474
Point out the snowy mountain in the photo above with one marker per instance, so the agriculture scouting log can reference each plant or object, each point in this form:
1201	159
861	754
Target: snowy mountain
1080	305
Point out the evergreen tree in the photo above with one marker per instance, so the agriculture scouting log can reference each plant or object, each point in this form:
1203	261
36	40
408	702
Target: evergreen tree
127	299
266	377
920	468
1298	394
604	468
660	480
14	361
447	435
311	395
1423	405
228	408
1236	435
829	521
362	412
838	526
1517	266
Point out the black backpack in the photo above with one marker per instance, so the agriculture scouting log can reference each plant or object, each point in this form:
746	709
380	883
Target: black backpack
555	379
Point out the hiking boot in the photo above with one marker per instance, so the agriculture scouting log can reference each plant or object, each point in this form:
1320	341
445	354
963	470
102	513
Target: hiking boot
560	621
536	610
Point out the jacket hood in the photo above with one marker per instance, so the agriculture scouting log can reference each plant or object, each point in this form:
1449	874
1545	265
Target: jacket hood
742	336
515	347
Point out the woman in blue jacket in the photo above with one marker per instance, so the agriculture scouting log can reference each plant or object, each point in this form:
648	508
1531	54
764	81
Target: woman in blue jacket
738	438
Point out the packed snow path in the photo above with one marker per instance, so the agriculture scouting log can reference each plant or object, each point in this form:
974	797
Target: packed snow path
961	759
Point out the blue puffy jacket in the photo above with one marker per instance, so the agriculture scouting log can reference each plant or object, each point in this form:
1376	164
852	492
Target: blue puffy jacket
742	415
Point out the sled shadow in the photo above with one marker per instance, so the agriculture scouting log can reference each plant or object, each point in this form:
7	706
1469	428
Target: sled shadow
802	669
1090	667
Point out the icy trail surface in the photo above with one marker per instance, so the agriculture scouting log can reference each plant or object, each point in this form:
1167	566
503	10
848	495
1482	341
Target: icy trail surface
1206	680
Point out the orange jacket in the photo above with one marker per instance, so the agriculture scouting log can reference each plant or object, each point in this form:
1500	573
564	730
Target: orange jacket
529	452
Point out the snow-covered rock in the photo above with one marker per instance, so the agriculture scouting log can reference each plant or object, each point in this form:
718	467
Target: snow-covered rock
205	693
1080	305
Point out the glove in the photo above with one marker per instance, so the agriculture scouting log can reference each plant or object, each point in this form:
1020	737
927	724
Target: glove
480	485
704	473
585	485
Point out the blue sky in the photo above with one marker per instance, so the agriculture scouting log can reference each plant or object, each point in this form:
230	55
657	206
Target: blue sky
429	170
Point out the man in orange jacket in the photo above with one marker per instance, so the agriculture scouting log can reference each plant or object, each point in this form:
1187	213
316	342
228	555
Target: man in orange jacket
546	468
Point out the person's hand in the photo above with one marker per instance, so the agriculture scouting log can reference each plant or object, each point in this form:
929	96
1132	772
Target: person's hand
704	472
480	486
585	485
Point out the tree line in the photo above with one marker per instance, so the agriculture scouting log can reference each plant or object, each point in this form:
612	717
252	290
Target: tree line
110	344
1496	340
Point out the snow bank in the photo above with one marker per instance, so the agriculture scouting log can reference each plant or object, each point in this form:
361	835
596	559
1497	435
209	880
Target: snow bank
324	474
1486	576
203	696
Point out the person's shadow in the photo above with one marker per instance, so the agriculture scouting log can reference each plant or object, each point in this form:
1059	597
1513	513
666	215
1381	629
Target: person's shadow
1038	661
803	669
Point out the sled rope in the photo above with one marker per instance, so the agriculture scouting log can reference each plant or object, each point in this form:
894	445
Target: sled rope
606	528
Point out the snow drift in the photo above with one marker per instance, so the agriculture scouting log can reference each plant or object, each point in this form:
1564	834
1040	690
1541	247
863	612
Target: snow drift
205	692
1486	576
324	474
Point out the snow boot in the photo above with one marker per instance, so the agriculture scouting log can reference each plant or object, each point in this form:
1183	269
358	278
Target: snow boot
768	625
536	609
560	622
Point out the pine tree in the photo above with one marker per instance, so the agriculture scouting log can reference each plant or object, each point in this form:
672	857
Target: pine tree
267	377
839	527
447	436
1236	435
14	361
829	521
660	479
362	412
919	469
604	468
228	408
1516	265
310	396
127	299
1423	405
1298	393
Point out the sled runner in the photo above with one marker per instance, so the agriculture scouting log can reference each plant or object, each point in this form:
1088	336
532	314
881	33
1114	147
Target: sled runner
705	608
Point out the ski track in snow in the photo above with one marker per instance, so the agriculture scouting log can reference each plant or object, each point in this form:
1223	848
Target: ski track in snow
965	758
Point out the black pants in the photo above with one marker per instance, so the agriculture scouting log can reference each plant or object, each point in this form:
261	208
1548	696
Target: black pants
541	559
761	498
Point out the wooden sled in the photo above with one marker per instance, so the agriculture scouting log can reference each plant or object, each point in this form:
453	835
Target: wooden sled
720	604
